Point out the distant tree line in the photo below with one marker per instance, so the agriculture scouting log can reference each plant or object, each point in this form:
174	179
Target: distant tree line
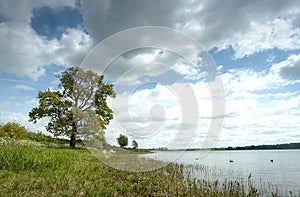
262	147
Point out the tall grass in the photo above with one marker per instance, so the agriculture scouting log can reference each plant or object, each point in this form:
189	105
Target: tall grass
18	158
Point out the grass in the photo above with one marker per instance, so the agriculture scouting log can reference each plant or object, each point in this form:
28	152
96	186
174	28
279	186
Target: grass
34	170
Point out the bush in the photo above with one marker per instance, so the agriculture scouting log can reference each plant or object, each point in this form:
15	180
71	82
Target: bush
12	130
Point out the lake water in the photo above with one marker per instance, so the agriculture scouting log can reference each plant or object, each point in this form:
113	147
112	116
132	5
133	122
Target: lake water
283	173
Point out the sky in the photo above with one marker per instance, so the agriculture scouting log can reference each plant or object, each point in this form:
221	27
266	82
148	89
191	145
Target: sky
163	100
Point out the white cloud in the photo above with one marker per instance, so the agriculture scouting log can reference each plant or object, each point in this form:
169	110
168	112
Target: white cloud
243	81
24	53
24	87
257	112
72	48
160	116
278	33
147	111
185	69
261	114
20	50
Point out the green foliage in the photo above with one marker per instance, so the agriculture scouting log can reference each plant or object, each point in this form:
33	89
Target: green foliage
12	130
2	133
122	140
69	109
134	144
38	137
53	105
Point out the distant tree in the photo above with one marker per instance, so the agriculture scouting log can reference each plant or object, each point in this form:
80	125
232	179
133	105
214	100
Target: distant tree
80	102
12	130
122	140
134	144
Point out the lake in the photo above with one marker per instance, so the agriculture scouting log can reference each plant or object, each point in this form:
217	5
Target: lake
283	173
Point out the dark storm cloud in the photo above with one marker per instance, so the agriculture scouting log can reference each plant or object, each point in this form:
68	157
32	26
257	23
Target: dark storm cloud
208	21
291	71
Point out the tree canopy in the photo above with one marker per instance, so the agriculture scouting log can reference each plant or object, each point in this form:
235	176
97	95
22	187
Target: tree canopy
122	140
79	102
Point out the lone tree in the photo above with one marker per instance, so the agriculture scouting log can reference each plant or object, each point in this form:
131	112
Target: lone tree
81	101
135	144
122	140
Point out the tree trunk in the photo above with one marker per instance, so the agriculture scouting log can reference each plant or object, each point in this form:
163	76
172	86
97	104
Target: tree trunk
72	140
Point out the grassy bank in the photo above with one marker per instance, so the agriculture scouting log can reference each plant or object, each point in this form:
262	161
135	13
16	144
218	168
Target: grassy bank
33	170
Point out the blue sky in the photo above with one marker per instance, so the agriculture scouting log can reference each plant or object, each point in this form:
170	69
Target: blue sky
255	46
